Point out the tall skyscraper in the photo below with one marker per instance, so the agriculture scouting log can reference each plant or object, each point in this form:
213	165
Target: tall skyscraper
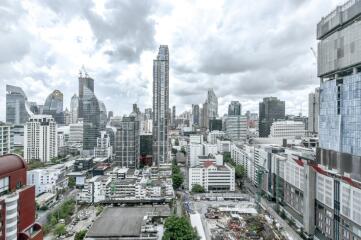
235	108
103	116
313	111
54	106
74	108
212	104
40	140
270	110
195	114
89	111
17	107
126	147
338	177
110	115
161	105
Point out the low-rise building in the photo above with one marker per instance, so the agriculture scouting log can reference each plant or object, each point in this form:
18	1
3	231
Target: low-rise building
286	129
213	177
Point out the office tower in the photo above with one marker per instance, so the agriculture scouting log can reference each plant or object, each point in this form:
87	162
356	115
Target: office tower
74	108
54	106
103	116
236	127
235	108
89	111
215	124
195	114
313	111
205	119
338	190
161	105
40	140
17	107
126	147
67	117
34	108
17	201
6	138
212	104
270	110
110	115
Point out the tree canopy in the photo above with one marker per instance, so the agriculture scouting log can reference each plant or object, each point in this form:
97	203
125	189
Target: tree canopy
179	228
197	189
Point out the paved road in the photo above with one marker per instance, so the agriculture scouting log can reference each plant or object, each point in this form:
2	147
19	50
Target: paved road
42	215
287	230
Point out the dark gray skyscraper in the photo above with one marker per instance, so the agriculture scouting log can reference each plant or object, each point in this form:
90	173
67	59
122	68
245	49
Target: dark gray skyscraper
161	105
235	108
313	110
89	111
103	116
195	114
54	106
17	108
270	110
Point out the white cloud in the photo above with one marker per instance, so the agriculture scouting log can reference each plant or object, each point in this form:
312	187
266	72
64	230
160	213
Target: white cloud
245	50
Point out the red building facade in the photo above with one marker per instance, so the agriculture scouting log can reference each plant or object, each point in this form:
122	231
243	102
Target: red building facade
17	201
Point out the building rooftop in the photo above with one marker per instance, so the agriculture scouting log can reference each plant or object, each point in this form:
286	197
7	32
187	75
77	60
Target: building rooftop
123	222
10	163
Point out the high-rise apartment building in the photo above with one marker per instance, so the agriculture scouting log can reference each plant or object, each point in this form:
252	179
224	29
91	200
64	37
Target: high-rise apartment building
40	140
6	139
54	106
103	148
271	109
313	111
161	105
89	111
235	108
126	146
195	114
74	108
174	116
338	179
17	107
17	201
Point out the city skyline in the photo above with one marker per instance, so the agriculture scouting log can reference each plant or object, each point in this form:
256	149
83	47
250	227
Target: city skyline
58	50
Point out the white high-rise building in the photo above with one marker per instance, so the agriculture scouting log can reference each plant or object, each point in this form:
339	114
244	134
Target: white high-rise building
103	148
212	136
76	134
288	129
40	140
161	113
6	138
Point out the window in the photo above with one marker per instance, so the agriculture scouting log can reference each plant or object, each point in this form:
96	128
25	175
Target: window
4	184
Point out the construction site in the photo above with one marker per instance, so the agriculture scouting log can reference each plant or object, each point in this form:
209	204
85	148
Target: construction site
234	220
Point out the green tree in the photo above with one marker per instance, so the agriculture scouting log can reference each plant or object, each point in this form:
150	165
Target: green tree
80	235
227	158
197	189
174	151
71	182
183	150
176	142
59	230
178	228
177	179
240	172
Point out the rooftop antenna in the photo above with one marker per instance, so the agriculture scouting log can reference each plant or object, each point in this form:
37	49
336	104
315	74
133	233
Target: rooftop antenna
85	72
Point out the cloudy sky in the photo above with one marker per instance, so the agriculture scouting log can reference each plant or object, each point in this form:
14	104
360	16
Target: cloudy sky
245	50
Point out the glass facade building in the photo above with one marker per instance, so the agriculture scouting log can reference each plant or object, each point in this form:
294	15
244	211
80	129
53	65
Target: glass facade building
54	106
17	107
89	111
235	108
270	110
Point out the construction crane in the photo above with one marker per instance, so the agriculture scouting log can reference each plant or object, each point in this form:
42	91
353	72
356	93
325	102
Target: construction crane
314	52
